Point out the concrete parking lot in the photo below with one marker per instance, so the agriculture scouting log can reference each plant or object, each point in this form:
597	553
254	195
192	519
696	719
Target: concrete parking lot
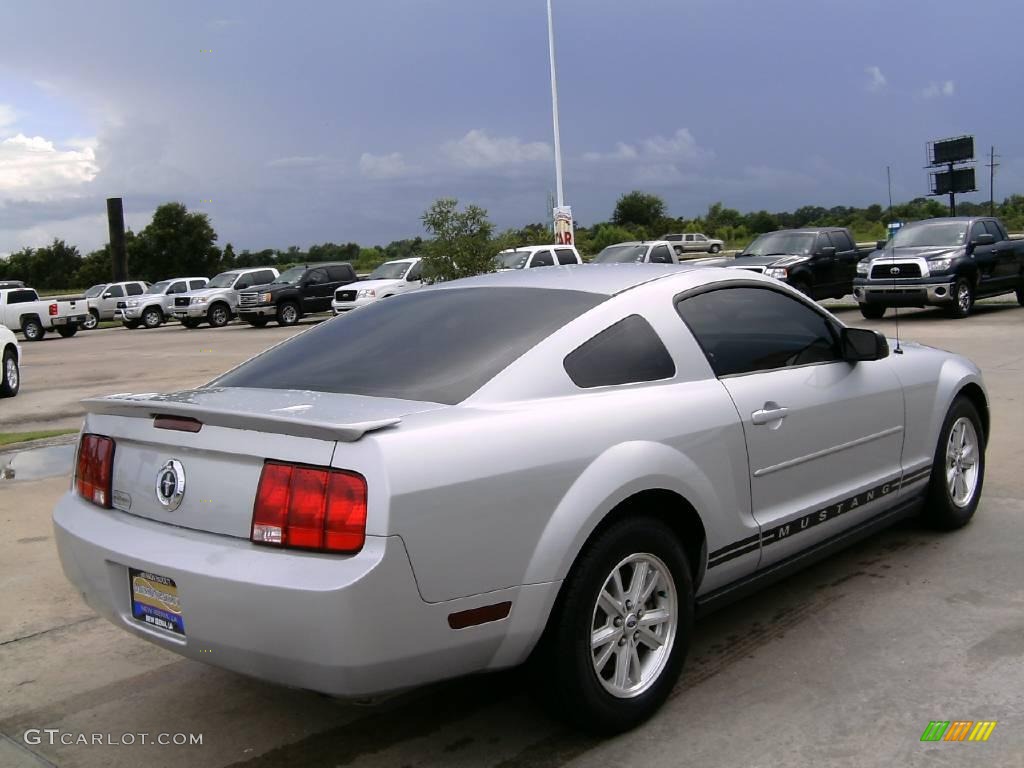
843	664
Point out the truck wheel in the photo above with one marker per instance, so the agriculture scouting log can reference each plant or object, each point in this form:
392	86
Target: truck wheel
1020	295
91	320
958	471
288	313
963	298
616	642
67	331
131	325
258	322
803	286
714	249
218	315
152	317
32	329
190	322
11	382
872	311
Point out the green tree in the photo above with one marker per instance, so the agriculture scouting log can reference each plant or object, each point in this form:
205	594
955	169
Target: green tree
174	243
94	268
639	209
461	245
52	266
227	258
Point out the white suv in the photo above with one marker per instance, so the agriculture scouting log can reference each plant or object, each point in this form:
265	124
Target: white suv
529	256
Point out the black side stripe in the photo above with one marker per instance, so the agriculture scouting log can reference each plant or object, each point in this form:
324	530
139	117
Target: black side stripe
823	515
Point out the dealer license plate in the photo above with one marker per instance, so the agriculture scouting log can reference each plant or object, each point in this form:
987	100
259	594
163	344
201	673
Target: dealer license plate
155	601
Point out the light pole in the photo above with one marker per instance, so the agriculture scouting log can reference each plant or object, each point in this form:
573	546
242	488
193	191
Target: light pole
562	214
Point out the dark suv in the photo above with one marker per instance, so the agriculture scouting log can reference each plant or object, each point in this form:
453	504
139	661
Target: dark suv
296	292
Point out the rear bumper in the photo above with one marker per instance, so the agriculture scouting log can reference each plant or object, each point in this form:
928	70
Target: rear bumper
68	320
904	293
350	626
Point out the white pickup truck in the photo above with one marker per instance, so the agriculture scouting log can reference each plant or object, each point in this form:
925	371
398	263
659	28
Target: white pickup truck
22	309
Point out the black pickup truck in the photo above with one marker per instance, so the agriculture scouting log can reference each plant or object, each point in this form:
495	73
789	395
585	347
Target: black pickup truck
820	263
948	262
296	292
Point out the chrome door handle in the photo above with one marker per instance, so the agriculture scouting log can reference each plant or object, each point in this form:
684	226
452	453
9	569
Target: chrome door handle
769	414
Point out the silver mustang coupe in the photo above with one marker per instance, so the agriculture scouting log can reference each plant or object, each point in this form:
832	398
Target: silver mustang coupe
556	465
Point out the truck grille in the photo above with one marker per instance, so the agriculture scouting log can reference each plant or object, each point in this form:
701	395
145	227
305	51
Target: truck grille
345	296
181	301
248	299
884	271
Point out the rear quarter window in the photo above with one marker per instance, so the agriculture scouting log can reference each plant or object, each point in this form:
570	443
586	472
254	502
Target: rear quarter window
628	352
437	345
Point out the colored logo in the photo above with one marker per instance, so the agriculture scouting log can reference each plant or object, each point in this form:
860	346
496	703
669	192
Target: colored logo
958	730
170	484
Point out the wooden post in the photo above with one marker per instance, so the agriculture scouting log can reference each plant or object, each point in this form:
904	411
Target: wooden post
118	251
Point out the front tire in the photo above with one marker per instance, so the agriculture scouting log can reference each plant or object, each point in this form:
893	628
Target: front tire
258	322
958	471
32	330
152	317
963	298
190	322
10	382
616	642
131	325
91	320
288	313
872	311
67	331
714	249
218	315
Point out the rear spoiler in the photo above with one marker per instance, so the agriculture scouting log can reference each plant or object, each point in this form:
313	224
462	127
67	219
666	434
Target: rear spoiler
136	407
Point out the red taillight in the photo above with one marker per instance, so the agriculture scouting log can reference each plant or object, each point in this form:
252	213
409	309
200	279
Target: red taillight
309	508
53	310
95	471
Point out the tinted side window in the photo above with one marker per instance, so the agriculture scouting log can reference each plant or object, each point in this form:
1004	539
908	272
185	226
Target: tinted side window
195	285
628	352
341	273
673	238
316	276
135	289
543	259
841	241
21	297
823	242
178	287
566	256
441	345
115	291
700	238
742	330
262	277
661	255
976	230
995	230
416	273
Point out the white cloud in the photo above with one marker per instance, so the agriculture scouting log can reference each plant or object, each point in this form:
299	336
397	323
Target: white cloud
32	168
934	90
679	147
388	166
876	80
478	151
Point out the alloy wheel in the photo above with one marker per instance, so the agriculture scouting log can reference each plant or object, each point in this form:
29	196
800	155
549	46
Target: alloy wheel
962	462
634	625
11	373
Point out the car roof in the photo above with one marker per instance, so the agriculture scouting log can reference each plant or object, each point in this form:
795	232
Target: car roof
607	279
641	242
533	248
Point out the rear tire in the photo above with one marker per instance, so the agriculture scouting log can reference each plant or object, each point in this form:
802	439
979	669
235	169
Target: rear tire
872	311
131	325
91	320
10	375
67	331
804	287
190	322
1020	295
218	315
963	298
958	471
152	318
33	330
616	684
258	322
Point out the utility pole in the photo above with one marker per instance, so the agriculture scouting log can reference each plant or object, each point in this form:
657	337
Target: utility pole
992	165
561	214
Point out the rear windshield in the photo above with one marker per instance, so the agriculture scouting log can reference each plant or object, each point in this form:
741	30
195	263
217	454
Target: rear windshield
438	346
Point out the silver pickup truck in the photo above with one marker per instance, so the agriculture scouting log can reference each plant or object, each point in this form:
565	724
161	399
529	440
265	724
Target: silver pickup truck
22	309
217	303
156	306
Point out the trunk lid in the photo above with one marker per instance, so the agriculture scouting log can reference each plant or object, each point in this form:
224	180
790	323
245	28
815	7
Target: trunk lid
220	464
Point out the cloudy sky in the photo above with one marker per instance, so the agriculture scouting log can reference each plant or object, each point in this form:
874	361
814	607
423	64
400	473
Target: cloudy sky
293	123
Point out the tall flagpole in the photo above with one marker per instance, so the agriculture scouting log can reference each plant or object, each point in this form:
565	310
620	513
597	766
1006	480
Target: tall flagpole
554	110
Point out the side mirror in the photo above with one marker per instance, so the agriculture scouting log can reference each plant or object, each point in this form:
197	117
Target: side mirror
985	239
108	295
880	244
860	344
827	253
